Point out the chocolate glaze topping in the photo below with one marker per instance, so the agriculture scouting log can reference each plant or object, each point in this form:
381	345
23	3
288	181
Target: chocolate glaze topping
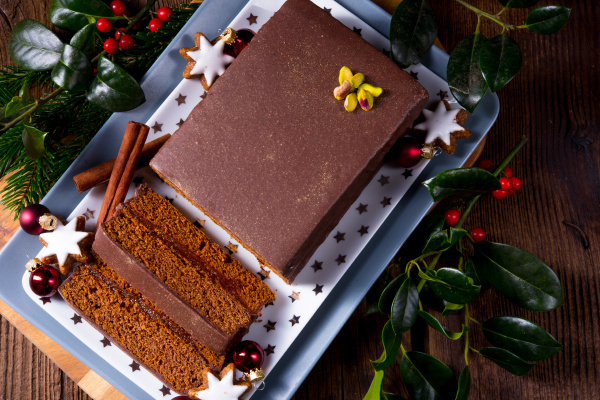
270	155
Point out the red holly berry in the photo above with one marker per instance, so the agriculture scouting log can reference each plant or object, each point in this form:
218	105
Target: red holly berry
126	42
137	26
117	7
506	183
499	194
486	164
104	25
517	184
111	46
477	234
155	24
452	216
508	172
164	13
119	32
44	281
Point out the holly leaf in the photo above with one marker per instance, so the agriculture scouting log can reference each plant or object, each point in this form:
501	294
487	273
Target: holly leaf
114	89
471	272
547	20
391	346
13	106
507	360
405	306
500	60
521	337
454	286
435	324
33	140
413	30
76	14
466	82
430	299
461	181
518	3
73	71
374	392
84	39
374	293
389	293
519	275
464	384
444	239
427	378
452	308
34	47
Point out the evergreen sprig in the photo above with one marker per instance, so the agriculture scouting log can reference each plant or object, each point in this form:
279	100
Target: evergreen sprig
64	121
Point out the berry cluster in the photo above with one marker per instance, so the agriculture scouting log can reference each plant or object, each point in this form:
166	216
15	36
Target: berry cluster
452	216
122	40
510	184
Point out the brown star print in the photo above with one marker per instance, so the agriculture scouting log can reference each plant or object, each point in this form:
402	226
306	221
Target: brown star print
443	94
88	214
318	289
317	265
76	319
165	390
295	320
157	127
357	31
264	273
269	350
339	236
363	230
233	248
134	366
199	223
180	100
45	300
294	296
384	180
407	172
270	326
180	123
252	19
341	259
414	74
386	201
105	342
362	208
203	95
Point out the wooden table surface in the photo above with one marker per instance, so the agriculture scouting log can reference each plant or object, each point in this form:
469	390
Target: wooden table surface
554	101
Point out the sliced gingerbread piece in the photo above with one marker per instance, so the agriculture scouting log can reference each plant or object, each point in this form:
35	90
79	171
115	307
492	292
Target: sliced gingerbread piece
444	126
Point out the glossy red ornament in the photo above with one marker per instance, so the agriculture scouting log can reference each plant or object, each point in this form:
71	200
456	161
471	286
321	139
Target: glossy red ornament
30	218
452	216
247	355
104	25
164	13
126	42
111	46
486	164
155	24
244	36
410	152
117	7
477	234
44	281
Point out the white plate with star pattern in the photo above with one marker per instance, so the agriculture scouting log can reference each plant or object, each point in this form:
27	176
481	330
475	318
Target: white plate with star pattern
283	322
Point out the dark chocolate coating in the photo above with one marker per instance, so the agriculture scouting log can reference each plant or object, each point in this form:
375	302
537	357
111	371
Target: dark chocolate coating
270	154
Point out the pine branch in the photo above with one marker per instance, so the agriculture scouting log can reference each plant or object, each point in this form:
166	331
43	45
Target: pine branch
12	79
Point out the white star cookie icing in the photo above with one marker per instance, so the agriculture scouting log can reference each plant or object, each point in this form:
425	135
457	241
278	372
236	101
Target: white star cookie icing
443	126
206	59
66	244
224	388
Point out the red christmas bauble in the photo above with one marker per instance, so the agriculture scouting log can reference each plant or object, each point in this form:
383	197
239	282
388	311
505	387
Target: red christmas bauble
410	152
30	218
44	281
244	36
247	355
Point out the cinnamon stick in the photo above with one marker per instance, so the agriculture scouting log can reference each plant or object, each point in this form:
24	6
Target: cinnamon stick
130	138
101	173
129	170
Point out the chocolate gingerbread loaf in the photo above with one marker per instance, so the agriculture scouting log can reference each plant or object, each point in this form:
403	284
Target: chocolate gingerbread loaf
270	154
137	326
171	262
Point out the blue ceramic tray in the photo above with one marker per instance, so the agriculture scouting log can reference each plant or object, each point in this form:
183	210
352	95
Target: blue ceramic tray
322	328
